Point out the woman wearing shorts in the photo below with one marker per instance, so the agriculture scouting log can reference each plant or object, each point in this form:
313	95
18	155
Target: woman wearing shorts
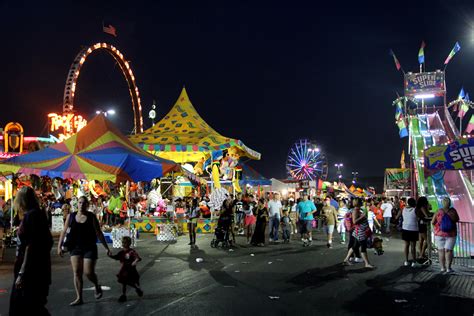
249	221
360	233
85	230
410	231
445	239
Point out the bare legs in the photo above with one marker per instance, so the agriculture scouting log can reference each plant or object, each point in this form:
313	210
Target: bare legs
77	263
441	254
408	245
449	258
87	266
423	245
250	231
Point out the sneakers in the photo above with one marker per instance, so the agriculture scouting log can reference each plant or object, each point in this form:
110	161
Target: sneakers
358	260
406	264
442	270
270	240
416	265
449	270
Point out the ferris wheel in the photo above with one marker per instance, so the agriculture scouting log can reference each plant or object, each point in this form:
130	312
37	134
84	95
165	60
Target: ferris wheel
306	161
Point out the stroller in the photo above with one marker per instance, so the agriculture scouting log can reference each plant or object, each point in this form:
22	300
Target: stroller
222	232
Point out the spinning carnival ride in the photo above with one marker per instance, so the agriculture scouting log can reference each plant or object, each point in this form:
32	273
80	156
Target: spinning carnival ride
306	161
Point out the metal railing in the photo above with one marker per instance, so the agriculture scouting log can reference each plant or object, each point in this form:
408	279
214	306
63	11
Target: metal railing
464	248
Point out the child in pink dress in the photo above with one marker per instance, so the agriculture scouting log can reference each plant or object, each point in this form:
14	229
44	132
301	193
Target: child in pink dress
128	274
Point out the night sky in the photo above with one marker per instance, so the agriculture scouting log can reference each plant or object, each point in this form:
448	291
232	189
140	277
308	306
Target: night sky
267	73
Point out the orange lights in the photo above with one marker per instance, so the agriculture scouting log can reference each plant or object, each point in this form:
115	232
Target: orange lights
66	125
13	138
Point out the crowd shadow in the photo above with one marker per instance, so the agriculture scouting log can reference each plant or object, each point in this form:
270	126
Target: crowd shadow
398	295
318	277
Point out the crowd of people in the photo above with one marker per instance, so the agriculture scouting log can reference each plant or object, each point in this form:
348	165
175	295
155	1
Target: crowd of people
262	221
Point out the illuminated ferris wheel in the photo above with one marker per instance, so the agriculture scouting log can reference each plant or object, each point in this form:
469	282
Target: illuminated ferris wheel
306	161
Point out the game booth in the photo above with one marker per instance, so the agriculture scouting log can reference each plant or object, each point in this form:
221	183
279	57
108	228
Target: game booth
210	163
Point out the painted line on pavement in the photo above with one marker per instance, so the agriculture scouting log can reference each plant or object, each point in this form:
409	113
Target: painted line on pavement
180	299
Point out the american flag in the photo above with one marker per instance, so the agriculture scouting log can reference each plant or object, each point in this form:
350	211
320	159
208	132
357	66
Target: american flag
110	30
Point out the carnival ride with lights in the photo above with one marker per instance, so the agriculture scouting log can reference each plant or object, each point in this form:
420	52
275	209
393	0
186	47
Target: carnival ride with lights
423	116
306	161
68	123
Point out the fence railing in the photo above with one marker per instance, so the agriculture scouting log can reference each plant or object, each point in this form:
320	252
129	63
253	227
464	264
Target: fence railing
464	248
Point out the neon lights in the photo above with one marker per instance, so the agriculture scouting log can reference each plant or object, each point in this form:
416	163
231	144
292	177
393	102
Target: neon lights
66	125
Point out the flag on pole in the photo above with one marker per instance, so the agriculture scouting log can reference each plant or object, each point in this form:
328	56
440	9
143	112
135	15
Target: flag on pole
470	125
453	52
421	53
397	63
463	109
461	94
110	30
398	110
402	160
403	132
467	97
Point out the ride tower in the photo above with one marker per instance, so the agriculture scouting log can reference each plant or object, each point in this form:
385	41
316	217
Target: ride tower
426	118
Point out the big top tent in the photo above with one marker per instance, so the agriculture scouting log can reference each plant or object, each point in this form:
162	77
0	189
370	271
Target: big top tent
183	136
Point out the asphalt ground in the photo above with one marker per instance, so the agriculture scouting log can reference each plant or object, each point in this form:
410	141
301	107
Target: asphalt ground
278	279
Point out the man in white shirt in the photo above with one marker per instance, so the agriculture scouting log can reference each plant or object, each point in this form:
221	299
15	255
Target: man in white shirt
387	213
274	212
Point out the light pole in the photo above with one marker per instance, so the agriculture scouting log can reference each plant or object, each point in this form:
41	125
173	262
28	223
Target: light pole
339	172
152	113
354	176
106	113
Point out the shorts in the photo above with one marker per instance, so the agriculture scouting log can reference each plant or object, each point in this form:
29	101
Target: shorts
239	217
445	242
329	229
306	226
90	253
422	228
409	235
250	220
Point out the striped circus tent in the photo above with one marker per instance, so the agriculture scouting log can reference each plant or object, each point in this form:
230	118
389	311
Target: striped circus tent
252	177
99	151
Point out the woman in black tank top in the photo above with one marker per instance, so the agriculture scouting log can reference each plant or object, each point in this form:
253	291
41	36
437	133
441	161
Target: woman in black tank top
85	230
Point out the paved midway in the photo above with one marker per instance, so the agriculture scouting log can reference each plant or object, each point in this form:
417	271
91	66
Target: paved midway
283	279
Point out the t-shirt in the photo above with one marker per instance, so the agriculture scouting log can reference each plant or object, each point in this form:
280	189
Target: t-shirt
330	214
387	209
378	213
305	209
115	204
341	212
238	204
274	208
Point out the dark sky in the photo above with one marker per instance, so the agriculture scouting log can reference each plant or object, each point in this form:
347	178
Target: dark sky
267	73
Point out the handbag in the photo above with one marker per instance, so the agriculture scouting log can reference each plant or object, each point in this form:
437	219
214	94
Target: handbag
67	245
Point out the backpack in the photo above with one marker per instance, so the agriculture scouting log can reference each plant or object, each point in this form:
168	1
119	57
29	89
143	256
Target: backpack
348	221
447	225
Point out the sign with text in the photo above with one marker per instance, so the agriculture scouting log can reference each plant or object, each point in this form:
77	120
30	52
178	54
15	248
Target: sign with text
457	155
425	83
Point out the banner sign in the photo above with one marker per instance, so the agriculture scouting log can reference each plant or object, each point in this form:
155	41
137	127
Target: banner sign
457	155
397	178
425	83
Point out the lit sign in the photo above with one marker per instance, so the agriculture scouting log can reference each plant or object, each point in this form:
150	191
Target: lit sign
425	82
66	125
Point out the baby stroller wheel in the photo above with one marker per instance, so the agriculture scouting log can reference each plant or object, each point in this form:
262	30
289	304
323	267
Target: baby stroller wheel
212	243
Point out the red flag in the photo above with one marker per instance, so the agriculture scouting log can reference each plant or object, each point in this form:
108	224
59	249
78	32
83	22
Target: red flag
110	30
